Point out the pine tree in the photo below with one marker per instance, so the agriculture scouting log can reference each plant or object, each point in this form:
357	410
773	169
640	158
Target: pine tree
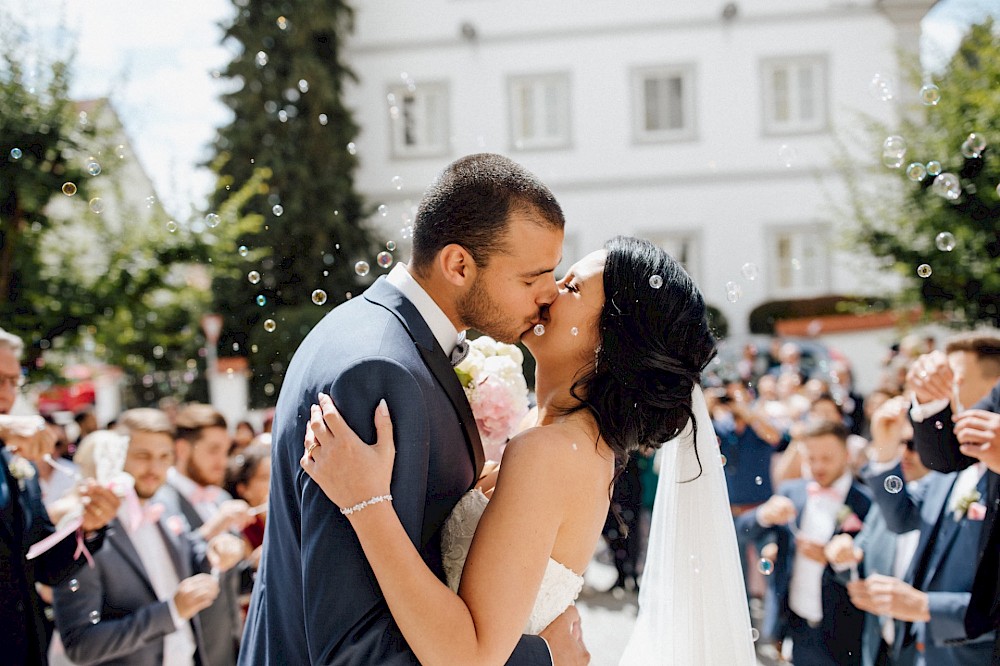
289	118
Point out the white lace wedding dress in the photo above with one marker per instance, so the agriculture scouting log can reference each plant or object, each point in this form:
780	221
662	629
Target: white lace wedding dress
560	585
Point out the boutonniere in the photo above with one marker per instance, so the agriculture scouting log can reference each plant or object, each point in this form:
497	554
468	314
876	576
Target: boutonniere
847	520
969	506
494	383
21	469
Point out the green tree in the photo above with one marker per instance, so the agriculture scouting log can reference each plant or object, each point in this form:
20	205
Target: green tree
290	118
942	231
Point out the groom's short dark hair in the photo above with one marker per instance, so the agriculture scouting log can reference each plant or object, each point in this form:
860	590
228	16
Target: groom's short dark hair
470	204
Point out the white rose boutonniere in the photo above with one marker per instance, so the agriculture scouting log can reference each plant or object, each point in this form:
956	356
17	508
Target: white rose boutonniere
494	384
21	469
969	505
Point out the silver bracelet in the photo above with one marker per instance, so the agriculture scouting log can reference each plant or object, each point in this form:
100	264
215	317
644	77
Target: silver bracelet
378	499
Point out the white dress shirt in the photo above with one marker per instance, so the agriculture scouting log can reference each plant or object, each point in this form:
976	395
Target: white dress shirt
819	522
178	647
444	331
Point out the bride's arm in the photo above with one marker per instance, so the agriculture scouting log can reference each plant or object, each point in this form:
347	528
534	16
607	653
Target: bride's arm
506	564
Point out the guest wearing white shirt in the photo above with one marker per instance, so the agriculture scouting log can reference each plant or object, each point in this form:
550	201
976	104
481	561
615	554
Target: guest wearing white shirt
805	603
137	604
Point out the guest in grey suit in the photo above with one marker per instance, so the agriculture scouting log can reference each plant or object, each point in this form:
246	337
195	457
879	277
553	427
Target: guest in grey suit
486	242
137	605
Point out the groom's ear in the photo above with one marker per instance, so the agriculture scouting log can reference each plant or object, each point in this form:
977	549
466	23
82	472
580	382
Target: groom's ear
457	265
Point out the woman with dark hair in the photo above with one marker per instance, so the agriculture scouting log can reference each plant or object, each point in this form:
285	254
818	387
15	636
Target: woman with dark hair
618	370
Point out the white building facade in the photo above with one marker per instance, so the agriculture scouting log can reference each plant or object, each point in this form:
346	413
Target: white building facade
709	128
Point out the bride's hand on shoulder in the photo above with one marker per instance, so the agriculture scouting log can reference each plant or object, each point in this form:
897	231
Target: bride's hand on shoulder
346	468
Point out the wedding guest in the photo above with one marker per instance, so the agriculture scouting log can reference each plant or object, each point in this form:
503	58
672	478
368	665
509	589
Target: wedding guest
24	521
58	477
86	423
792	528
877	550
951	435
139	603
241	439
248	478
194	491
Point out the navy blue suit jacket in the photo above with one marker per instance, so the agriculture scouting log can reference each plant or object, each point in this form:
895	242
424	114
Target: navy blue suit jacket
316	599
941	566
842	624
23	522
935	441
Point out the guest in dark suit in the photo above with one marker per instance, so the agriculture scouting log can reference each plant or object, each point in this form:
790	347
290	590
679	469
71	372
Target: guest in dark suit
24	441
486	242
138	605
877	550
952	437
805	603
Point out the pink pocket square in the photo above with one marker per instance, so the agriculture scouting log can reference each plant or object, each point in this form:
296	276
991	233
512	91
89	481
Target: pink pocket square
977	511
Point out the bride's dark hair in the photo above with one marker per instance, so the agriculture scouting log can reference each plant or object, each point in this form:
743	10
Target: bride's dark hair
654	343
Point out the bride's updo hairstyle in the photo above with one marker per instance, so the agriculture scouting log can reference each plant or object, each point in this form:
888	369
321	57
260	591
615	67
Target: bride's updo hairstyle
654	343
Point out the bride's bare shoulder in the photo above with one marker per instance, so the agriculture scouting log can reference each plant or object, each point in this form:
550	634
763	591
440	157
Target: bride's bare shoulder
558	446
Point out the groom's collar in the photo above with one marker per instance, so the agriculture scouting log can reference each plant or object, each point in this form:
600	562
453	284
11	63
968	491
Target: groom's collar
432	314
385	295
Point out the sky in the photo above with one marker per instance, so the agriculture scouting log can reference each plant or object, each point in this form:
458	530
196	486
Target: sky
154	59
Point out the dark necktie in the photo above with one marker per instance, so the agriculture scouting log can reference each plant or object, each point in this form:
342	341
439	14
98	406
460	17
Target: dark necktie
460	351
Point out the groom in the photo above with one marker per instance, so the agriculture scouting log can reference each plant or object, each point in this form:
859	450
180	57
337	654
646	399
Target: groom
486	242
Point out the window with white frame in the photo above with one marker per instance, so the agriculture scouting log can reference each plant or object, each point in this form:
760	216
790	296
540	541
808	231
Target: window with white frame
663	103
798	261
539	111
419	118
684	246
794	94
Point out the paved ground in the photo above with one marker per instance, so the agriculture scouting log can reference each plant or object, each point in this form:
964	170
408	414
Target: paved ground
608	619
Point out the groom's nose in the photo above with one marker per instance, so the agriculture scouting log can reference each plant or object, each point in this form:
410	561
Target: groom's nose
548	294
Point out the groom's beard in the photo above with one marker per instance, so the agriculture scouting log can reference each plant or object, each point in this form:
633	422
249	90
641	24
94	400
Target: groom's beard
478	310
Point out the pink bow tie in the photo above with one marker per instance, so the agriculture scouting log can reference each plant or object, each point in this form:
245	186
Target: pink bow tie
204	495
816	490
137	514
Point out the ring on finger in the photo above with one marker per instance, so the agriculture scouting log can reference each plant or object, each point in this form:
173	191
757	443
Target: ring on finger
310	448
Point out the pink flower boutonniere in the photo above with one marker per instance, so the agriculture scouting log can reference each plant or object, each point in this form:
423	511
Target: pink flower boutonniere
848	521
176	525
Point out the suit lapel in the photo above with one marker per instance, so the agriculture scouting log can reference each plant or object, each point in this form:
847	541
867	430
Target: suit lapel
947	533
385	295
119	540
174	547
931	513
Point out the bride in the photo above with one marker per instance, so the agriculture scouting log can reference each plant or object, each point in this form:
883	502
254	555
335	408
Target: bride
618	369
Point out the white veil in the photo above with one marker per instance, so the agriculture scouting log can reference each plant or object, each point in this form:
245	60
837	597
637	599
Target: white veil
692	602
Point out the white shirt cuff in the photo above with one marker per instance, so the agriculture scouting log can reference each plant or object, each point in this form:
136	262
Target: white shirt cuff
178	620
552	660
883	467
920	413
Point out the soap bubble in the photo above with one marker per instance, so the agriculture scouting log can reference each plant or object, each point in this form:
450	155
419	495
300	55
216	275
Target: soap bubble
968	150
74	585
93	168
948	186
254	277
765	566
750	271
319	297
384	259
933	167
945	241
323	120
97	205
277	209
390	245
352	149
243	251
69	189
754	634
893	484
269	325
362	268
383	210
15	153
655	281
977	142
881	87
261	300
212	220
95	617
893	151
171	226
539	329
758	480
574	331
924	270
930	94
261	59
916	172
397	182
788	155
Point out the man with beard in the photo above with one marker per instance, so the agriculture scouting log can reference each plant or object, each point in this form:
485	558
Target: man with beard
194	490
